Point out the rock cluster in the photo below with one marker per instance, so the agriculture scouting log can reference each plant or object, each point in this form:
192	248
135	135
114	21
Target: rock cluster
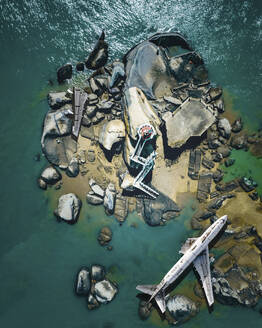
93	284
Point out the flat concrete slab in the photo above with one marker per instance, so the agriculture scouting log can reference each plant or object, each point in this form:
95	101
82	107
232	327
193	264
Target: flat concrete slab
190	119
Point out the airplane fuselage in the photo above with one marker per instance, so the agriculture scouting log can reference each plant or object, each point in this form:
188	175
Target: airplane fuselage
197	248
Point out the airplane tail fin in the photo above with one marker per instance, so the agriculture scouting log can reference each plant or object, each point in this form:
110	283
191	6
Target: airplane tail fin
159	298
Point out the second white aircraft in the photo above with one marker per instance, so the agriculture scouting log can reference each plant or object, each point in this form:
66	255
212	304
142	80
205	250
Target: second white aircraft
195	250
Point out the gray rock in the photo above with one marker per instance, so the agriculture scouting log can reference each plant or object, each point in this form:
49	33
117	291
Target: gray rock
86	121
73	168
80	66
181	308
68	209
231	288
219	105
99	117
51	175
42	184
173	100
224	128
96	188
111	133
57	144
58	99
91	111
105	106
83	283
215	93
97	272
218	176
92	99
92	302
98	57
118	74
93	199
64	73
105	291
109	199
154	210
150	78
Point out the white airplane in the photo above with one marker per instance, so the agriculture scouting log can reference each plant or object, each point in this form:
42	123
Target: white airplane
195	250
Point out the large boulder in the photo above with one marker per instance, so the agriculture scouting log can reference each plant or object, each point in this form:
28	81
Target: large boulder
57	144
58	99
110	198
146	67
105	291
233	288
51	175
99	55
180	309
224	127
83	283
118	74
93	199
73	168
64	73
68	209
237	126
238	141
111	133
97	272
96	188
138	111
157	211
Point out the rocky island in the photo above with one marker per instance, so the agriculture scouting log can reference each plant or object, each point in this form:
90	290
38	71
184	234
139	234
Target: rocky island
142	133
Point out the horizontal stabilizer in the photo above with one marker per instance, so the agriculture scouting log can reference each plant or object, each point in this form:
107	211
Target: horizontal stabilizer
160	299
146	289
189	242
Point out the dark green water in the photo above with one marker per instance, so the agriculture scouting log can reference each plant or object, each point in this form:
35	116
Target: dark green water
38	256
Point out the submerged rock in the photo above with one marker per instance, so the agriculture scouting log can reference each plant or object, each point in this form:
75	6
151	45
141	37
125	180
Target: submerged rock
105	236
68	209
83	283
92	302
105	291
144	310
237	126
64	73
111	133
51	175
99	55
42	184
238	142
181	309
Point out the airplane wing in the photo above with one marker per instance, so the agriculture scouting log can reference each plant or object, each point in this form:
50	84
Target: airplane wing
202	266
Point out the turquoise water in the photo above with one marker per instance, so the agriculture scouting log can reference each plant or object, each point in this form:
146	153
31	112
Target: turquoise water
38	256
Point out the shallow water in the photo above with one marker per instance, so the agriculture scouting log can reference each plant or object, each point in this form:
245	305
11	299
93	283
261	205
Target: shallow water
38	256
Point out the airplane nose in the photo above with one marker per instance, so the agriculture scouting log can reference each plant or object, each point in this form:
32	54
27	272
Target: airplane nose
224	219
